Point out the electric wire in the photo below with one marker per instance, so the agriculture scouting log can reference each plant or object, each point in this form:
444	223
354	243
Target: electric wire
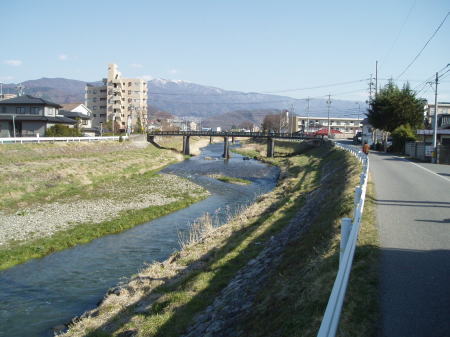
423	48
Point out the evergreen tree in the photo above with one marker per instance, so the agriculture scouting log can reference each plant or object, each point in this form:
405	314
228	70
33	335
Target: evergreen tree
393	107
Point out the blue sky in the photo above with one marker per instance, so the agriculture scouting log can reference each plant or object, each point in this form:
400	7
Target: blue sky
253	46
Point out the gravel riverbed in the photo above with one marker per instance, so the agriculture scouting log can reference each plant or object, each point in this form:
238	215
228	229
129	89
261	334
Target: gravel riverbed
45	220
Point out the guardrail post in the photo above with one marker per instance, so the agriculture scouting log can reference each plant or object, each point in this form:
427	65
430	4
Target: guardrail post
346	228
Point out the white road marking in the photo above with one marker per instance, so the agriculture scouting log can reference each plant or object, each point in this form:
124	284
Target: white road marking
424	168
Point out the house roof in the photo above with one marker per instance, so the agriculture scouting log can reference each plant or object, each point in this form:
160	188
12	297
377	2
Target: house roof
28	100
70	106
74	114
58	120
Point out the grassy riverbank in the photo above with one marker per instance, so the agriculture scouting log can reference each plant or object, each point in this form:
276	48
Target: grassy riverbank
55	196
165	299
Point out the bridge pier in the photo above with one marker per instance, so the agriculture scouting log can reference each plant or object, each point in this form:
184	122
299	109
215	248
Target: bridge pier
210	139
186	150
232	139
270	147
226	148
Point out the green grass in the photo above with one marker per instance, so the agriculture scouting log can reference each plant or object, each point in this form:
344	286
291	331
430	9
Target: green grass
84	233
232	180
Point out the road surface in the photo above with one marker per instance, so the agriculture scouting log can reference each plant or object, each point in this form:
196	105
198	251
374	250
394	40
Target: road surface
413	214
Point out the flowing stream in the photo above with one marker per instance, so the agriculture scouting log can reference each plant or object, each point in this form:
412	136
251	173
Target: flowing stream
43	293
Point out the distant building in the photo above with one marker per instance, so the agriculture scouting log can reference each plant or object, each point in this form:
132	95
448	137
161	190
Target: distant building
347	126
443	109
81	114
119	99
28	116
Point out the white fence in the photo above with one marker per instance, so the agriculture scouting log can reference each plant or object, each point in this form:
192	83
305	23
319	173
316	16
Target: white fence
22	140
349	237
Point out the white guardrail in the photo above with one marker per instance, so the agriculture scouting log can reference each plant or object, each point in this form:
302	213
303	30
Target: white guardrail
349	237
22	140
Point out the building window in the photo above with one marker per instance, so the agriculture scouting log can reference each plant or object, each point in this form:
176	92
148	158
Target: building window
36	110
94	92
94	107
95	115
102	115
129	84
123	123
94	99
129	92
20	110
4	109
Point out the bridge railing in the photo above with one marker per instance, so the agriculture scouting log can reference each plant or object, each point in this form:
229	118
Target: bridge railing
349	237
22	140
228	134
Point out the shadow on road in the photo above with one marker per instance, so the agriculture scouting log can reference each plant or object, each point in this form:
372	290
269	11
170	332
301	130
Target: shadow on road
413	203
436	221
415	296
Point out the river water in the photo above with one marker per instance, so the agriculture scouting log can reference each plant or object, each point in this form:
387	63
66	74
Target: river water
43	293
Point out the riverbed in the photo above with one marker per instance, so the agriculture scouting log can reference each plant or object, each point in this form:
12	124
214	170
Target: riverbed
43	293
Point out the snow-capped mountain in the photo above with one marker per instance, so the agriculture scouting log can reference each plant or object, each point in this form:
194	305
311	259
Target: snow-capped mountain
183	98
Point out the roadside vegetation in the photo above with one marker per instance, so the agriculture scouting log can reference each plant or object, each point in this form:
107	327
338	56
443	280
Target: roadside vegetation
55	196
165	298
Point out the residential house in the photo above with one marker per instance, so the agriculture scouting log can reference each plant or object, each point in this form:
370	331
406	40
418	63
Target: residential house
28	116
81	114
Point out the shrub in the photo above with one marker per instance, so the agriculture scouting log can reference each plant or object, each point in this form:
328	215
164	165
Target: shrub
60	130
401	135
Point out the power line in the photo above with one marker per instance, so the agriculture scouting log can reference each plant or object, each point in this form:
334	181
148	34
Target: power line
423	48
314	87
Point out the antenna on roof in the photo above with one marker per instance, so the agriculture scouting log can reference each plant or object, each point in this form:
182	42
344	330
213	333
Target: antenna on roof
20	90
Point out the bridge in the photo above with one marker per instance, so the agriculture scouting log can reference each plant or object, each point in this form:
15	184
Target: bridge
270	136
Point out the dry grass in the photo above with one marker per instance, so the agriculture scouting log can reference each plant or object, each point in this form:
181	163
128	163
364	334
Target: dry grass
33	174
195	275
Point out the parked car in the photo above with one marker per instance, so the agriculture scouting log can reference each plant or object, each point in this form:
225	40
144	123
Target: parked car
357	138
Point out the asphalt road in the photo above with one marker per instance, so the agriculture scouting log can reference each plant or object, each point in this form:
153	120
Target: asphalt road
413	214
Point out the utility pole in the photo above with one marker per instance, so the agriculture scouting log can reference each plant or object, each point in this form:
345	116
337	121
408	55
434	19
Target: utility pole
307	115
434	158
376	78
291	120
370	89
14	125
329	103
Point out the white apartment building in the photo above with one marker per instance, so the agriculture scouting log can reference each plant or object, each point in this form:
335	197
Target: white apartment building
348	126
119	99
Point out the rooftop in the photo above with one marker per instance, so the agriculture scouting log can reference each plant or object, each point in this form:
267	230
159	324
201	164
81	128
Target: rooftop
29	100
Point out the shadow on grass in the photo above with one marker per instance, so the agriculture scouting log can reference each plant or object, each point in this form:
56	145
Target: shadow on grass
220	266
295	298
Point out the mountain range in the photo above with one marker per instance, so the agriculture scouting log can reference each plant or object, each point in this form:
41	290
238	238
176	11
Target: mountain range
182	98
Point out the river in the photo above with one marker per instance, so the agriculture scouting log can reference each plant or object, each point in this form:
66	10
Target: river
43	293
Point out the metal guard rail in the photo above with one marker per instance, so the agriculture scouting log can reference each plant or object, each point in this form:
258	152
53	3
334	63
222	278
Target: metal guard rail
349	237
22	140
